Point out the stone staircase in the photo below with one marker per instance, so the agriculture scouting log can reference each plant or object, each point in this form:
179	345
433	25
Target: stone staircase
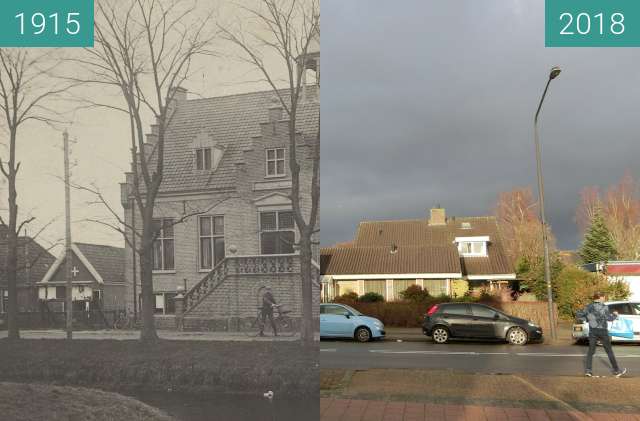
228	296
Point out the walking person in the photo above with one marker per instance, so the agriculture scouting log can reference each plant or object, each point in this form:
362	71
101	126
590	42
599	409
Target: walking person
597	315
268	304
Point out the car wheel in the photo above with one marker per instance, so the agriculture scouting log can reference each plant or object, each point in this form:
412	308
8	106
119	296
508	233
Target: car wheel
517	336
440	335
363	334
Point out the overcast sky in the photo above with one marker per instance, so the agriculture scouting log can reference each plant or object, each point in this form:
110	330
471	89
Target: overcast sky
432	102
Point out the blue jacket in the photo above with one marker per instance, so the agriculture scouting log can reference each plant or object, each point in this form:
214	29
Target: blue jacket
597	314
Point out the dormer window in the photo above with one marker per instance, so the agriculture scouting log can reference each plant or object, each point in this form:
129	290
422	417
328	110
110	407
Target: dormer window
208	153
275	162
203	159
472	246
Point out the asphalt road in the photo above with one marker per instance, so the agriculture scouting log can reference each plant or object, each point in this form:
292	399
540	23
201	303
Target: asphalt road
474	357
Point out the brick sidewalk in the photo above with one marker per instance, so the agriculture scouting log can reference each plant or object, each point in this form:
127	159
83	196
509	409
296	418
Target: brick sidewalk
363	410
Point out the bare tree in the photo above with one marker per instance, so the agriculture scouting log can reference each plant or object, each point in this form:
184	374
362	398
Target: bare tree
145	49
289	28
28	88
519	224
620	207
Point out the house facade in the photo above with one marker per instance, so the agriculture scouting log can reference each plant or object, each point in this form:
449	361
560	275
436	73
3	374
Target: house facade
620	270
224	214
98	281
33	262
445	256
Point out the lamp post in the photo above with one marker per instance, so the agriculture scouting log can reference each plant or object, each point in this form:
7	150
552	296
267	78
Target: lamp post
555	71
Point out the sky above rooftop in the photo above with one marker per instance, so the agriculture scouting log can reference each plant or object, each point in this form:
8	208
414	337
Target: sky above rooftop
433	103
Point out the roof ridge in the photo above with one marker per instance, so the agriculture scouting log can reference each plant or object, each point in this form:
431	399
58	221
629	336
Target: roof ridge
243	94
97	245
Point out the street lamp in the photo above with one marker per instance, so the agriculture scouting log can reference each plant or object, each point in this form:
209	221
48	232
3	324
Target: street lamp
555	71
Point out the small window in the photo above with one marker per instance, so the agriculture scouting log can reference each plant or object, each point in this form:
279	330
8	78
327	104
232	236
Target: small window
335	310
275	162
60	293
277	233
203	159
620	308
460	309
163	253
482	311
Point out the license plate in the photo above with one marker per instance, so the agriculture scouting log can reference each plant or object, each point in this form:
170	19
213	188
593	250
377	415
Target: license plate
577	328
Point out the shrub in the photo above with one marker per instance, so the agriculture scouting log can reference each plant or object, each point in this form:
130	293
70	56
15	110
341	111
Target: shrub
371	297
575	287
348	298
416	294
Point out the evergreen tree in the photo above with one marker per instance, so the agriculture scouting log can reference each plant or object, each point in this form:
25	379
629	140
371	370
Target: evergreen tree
598	246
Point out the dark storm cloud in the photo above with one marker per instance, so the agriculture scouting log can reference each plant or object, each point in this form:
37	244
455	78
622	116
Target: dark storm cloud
432	102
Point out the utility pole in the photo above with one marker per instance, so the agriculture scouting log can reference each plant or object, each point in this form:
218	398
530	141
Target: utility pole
555	71
68	253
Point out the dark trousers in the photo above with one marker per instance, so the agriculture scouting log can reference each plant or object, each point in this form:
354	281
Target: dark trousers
603	336
268	313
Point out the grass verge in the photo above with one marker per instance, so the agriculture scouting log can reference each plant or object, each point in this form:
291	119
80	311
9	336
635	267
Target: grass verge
444	386
59	403
188	366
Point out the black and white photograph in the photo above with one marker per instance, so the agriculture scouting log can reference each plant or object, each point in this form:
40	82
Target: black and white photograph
159	225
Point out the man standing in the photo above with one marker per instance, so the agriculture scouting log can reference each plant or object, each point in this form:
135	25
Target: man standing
597	315
268	303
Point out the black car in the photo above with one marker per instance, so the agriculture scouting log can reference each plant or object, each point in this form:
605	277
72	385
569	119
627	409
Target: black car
477	321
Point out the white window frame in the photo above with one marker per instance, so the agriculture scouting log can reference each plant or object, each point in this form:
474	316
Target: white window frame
278	229
204	160
212	236
470	246
161	238
275	161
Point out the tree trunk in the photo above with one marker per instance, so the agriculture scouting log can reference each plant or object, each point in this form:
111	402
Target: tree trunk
307	331
148	332
12	244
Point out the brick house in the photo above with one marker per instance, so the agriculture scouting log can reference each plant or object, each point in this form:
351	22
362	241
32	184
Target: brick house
226	166
442	255
97	279
33	262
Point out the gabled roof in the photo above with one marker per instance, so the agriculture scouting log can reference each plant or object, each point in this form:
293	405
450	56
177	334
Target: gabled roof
421	245
231	122
33	259
382	260
102	262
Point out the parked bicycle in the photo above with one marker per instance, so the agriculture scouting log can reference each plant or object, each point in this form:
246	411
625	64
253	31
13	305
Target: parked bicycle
126	321
282	322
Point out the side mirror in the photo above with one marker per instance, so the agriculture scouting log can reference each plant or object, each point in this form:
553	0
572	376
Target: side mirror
496	316
347	314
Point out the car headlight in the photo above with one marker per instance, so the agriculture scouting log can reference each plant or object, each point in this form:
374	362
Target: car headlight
378	324
533	324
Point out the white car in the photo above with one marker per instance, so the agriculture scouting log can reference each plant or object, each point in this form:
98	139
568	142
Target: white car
626	310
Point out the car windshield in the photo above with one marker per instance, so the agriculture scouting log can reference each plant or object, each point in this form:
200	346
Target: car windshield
353	310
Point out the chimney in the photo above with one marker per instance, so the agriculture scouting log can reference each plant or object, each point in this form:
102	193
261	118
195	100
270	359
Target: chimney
438	216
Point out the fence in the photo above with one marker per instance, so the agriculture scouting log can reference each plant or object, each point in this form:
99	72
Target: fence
410	314
94	319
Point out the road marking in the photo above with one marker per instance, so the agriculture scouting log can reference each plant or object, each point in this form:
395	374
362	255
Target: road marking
328	349
382	351
473	353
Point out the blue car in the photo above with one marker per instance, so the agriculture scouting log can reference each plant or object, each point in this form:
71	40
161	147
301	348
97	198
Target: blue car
342	321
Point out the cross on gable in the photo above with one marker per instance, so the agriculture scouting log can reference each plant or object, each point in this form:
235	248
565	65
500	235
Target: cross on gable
75	271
